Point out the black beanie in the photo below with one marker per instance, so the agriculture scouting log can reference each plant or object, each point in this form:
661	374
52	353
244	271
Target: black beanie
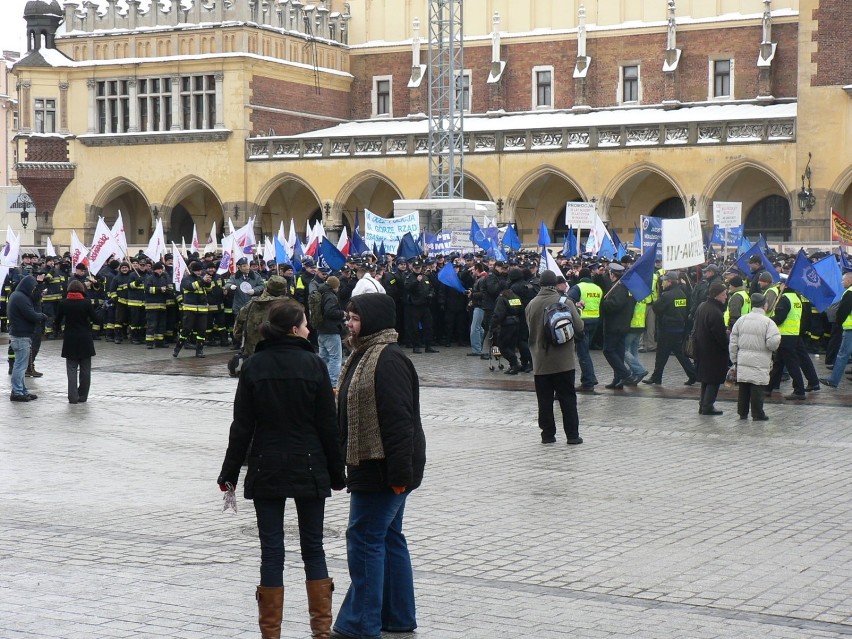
376	310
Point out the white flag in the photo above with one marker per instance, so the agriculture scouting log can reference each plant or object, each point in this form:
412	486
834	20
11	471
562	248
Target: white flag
157	244
195	245
597	235
281	237
548	263
49	250
11	248
103	246
226	264
79	252
244	238
212	245
119	235
183	247
179	269
292	238
231	230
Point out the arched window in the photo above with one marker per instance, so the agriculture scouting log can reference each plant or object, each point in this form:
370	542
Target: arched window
670	209
770	216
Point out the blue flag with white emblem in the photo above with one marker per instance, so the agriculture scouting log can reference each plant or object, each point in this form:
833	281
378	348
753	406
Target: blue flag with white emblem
805	279
477	236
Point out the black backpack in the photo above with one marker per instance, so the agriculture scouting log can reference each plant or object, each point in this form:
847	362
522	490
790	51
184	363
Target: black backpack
558	323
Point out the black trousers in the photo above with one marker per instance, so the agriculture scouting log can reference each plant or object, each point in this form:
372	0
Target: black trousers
750	396
194	327
155	330
417	318
613	351
270	529
709	392
671	344
560	385
787	357
78	388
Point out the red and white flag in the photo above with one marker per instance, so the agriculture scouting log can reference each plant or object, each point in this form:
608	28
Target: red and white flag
179	268
157	244
79	252
119	235
195	245
343	242
212	245
103	246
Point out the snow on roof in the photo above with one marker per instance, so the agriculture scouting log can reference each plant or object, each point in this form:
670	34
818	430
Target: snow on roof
563	119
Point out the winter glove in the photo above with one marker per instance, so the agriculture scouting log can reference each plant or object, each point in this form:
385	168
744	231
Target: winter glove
398	489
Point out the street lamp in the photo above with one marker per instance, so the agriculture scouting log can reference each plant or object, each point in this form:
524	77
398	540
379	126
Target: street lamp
692	203
25	214
236	212
156	212
806	197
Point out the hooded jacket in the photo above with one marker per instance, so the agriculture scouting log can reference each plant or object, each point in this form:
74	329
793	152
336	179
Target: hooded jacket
23	318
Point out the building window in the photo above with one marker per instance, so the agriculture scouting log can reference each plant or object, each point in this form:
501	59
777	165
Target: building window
542	97
14	120
382	98
629	84
113	105
45	116
155	104
721	78
463	91
198	102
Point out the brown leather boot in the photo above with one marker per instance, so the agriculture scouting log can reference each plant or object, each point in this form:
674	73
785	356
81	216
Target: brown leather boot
319	606
270	607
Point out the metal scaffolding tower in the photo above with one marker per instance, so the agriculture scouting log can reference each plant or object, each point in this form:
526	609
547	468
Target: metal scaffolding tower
446	75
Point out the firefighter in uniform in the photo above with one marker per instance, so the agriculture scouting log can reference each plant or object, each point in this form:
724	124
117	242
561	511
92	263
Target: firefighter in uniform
194	288
218	322
158	288
55	284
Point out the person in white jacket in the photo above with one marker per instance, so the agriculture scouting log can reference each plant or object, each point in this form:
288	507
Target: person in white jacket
366	282
754	338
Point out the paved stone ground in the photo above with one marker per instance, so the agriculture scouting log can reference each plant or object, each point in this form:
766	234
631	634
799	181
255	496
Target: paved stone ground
664	524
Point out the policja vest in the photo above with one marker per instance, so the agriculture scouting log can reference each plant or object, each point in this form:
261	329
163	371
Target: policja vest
639	312
745	310
591	295
847	323
792	324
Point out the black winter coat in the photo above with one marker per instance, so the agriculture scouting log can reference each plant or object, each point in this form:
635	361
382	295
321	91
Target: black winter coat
617	310
672	308
79	315
284	403
711	342
332	313
398	408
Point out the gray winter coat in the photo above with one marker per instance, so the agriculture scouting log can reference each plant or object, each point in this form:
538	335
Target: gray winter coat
552	359
753	340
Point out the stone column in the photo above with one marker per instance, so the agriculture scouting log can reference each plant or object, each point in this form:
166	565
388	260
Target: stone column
91	84
220	101
63	107
133	99
177	117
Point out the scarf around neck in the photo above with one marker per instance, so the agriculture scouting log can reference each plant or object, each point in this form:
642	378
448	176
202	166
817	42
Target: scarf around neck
364	439
74	295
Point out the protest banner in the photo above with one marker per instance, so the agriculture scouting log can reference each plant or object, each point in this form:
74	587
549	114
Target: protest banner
652	234
683	243
389	230
580	215
727	215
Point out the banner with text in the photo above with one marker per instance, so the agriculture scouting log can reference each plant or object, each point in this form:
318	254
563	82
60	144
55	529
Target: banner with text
652	232
727	215
389	230
580	215
440	244
683	243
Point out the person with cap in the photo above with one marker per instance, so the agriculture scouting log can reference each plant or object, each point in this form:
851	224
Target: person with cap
55	284
711	347
587	296
843	318
24	321
380	426
136	302
738	301
251	317
753	340
755	265
526	292
418	318
789	316
477	325
553	366
366	282
672	309
110	305
710	274
219	322
193	288
505	325
302	284
284	420
617	312
648	341
330	328
243	285
119	295
158	287
769	289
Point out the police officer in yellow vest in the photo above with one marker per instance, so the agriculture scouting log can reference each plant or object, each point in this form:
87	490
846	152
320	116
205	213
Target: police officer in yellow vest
788	318
771	290
739	303
587	296
844	318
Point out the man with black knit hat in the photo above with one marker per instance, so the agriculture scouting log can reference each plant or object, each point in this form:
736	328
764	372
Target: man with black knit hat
553	365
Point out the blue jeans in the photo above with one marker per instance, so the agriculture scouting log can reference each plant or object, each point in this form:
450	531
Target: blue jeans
381	594
331	352
477	332
270	530
587	368
21	346
631	353
839	363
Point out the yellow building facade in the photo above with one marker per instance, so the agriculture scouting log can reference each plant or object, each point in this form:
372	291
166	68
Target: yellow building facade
318	114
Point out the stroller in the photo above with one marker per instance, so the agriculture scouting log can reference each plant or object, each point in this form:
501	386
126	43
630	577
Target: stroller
493	351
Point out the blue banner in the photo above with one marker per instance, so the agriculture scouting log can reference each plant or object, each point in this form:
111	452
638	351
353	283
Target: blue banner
652	234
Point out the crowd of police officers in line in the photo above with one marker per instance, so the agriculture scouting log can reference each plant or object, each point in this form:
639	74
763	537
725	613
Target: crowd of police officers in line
138	303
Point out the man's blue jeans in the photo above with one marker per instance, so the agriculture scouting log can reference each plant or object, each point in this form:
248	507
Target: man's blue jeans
587	369
381	594
842	358
631	353
331	352
21	346
477	332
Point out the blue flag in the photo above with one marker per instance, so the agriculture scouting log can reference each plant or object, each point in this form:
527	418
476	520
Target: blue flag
495	251
742	262
448	277
761	242
569	246
607	248
829	271
357	245
382	250
408	247
845	266
637	237
616	241
640	276
744	247
543	235
511	239
805	279
298	254
477	236
329	255
281	253
621	252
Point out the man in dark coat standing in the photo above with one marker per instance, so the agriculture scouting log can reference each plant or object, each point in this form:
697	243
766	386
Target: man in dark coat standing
24	320
711	347
617	311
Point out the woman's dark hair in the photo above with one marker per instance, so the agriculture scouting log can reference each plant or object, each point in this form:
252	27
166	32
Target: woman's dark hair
284	316
76	286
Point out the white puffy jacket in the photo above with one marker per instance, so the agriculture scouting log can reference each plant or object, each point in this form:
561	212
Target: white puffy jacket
754	337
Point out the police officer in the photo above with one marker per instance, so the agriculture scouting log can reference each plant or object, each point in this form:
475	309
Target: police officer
587	297
671	309
418	318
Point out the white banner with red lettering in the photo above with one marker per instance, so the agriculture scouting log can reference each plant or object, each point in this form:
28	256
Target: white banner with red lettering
103	246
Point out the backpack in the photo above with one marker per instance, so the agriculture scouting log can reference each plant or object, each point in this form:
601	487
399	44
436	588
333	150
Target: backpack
558	323
315	308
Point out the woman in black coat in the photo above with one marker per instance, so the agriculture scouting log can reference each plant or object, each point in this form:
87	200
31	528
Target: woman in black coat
711	347
78	313
284	409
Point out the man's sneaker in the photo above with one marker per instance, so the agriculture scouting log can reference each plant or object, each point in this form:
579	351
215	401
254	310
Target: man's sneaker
19	398
795	397
811	389
827	382
575	441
